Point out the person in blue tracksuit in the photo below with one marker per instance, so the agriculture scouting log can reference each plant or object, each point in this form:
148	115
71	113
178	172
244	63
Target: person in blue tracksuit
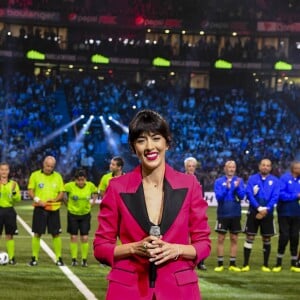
262	191
288	211
229	190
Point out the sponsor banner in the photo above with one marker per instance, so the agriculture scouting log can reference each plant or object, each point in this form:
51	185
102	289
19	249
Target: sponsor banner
170	23
87	19
188	63
124	61
278	27
30	15
11	53
208	25
113	20
107	20
255	66
75	18
296	66
240	27
61	57
174	63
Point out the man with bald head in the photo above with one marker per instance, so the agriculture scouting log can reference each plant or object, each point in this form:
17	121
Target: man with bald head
230	191
262	191
46	188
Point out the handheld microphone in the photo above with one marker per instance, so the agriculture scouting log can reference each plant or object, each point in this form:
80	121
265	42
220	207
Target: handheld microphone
154	230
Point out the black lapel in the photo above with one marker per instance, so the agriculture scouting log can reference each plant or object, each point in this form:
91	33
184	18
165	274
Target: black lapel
136	204
173	200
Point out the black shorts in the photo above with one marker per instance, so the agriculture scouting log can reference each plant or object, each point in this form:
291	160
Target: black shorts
43	219
266	225
8	220
289	225
79	223
232	224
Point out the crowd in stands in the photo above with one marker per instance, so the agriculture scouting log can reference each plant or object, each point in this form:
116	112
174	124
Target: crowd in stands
209	125
28	114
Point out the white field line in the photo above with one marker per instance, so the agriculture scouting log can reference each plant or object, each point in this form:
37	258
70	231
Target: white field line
71	276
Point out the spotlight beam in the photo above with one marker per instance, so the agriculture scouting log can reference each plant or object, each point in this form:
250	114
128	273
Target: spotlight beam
109	136
52	135
62	129
84	128
75	145
123	127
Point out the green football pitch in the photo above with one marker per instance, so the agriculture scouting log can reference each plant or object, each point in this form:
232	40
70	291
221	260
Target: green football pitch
47	281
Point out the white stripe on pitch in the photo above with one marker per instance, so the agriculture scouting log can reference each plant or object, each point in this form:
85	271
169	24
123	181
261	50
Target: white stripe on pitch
71	276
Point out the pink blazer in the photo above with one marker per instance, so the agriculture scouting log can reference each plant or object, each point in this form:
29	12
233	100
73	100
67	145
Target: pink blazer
123	216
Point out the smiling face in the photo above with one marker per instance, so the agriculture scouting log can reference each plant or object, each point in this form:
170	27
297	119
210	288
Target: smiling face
150	122
151	150
265	167
230	168
80	181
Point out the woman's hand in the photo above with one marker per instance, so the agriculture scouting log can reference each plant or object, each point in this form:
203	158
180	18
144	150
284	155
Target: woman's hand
146	246
163	251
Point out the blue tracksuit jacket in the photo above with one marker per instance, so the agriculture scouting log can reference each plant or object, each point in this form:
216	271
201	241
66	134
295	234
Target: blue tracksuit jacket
229	200
289	203
268	193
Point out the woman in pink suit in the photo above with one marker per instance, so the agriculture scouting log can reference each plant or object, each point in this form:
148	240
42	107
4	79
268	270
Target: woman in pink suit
153	227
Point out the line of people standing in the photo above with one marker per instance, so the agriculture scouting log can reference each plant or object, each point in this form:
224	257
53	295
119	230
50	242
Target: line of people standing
264	192
155	196
47	190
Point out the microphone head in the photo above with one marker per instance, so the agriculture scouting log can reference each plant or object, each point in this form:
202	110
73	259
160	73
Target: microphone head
155	230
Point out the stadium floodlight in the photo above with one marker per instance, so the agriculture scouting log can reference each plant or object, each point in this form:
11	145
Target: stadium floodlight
161	62
36	55
99	59
282	66
223	64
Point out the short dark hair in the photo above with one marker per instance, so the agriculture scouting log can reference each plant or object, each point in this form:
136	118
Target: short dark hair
119	160
148	121
80	173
